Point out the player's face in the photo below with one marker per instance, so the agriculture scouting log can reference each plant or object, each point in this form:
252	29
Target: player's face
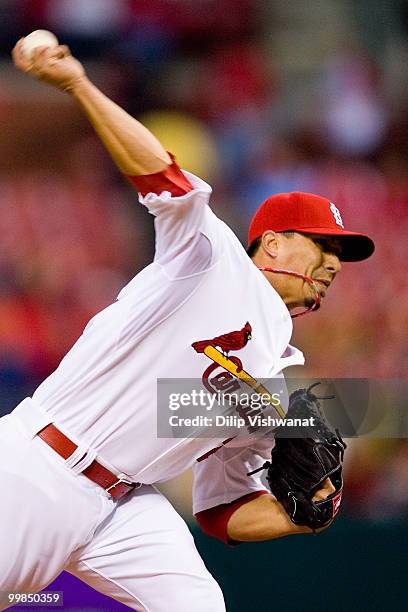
315	256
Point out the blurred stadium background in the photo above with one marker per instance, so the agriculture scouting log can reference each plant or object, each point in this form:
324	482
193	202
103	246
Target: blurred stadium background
257	97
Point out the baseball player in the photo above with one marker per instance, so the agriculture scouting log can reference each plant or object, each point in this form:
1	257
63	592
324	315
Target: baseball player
79	459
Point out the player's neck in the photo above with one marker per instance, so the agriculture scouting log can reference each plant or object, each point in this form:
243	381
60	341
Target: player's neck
279	282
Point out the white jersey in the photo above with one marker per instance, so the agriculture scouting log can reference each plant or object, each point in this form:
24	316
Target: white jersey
201	284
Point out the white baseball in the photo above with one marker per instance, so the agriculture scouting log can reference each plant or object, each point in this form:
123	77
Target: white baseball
38	38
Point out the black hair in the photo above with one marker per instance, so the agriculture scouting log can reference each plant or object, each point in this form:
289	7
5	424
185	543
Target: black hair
253	247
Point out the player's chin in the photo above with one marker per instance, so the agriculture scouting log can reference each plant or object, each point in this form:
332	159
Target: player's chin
311	296
309	301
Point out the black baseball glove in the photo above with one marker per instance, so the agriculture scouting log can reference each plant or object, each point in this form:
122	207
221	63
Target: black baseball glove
302	459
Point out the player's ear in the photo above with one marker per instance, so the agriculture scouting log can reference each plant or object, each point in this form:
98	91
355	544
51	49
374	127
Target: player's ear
270	243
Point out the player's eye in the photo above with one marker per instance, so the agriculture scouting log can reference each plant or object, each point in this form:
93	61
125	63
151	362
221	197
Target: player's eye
323	244
328	246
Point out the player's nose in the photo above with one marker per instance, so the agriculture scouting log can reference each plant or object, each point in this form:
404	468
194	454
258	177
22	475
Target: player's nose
332	263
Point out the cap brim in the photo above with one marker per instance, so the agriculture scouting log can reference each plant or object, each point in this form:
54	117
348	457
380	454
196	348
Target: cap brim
354	246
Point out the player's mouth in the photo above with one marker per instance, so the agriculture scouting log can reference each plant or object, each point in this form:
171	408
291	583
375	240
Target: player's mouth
323	285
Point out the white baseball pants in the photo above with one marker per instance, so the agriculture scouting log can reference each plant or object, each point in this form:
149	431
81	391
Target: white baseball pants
138	550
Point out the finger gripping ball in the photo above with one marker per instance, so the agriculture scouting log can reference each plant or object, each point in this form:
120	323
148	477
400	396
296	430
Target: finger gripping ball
38	38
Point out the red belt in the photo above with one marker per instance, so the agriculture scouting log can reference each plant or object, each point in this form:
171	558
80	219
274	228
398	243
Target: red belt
116	487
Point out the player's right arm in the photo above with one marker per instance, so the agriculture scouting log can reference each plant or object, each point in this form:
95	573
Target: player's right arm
134	149
185	234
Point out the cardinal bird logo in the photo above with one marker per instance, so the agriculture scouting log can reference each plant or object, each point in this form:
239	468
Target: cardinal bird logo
232	341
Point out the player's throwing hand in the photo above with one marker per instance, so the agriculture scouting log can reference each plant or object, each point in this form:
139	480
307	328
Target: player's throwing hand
54	65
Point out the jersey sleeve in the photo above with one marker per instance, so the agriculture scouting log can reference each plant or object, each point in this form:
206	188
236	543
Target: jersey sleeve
214	521
187	233
222	477
171	179
221	484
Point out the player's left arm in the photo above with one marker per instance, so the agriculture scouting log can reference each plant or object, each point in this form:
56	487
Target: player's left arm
254	517
264	518
233	506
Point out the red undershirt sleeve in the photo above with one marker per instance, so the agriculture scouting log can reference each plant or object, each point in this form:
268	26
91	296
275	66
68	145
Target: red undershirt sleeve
214	521
171	179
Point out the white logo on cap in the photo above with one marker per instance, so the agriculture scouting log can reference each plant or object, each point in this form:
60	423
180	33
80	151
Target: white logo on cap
336	215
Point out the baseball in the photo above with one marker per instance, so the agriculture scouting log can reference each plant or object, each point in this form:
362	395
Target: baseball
38	38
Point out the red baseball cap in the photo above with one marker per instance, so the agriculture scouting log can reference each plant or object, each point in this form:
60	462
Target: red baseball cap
308	214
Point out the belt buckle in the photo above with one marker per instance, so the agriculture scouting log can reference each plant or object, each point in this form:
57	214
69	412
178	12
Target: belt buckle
122	480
